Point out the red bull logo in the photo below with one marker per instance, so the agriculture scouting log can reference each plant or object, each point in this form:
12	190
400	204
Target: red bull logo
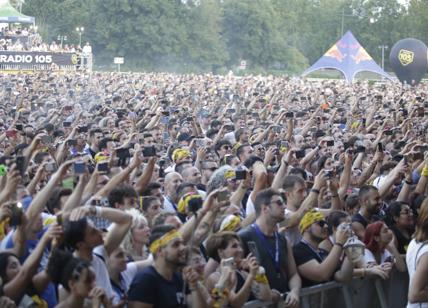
334	52
361	55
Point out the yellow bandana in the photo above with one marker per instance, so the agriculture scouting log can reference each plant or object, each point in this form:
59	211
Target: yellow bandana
164	240
229	174
180	154
230	223
310	218
99	157
184	202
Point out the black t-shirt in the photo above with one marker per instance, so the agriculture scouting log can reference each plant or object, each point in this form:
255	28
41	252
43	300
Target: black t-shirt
303	254
278	281
150	287
402	241
359	218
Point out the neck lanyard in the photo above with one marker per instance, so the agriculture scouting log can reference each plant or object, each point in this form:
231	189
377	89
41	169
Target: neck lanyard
273	254
313	250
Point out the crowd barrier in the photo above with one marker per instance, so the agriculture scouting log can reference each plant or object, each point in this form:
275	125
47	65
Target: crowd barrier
370	293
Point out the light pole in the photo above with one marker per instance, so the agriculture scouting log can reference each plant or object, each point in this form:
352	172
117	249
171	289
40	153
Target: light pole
80	31
62	38
383	47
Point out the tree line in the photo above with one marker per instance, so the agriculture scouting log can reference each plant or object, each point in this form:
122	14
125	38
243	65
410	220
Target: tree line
216	35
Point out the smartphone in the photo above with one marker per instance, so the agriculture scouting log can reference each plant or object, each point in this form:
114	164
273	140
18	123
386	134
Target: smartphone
79	167
230	110
50	167
59	220
103	167
421	112
20	165
200	142
16	217
283	144
360	149
122	153
328	174
289	115
300	154
68	108
66	124
46	139
388	132
223	196
149	151
19	126
82	129
252	248
189	119
165	113
330	143
277	129
380	147
240	174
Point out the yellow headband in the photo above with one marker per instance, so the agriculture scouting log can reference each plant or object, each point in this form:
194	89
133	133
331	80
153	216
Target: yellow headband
184	202
164	240
229	174
310	218
180	154
99	157
230	223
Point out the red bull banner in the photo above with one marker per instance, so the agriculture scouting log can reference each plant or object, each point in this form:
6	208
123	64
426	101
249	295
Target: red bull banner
349	57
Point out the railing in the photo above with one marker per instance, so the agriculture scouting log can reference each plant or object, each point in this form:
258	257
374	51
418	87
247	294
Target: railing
371	293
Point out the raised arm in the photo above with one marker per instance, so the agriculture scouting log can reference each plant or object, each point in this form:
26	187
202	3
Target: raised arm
121	223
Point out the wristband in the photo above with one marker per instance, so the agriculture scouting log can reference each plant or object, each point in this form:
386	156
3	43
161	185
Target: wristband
425	171
408	182
335	196
315	191
339	244
95	211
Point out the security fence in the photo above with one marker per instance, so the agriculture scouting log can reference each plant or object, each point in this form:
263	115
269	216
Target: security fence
370	293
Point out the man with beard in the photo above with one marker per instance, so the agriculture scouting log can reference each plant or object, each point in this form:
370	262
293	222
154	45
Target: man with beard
162	285
370	203
317	265
275	252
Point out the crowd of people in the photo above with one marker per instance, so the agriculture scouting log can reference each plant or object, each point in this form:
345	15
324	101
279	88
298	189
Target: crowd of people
23	39
161	190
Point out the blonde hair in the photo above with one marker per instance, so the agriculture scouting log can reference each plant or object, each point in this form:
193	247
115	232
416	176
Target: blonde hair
137	219
421	233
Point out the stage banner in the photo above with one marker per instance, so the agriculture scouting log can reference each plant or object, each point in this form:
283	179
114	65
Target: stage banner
37	58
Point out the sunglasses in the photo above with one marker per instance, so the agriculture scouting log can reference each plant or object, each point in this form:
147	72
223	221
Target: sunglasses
211	169
226	147
322	223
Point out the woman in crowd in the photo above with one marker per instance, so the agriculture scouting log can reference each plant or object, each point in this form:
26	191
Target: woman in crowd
380	248
226	249
78	278
137	238
401	222
417	262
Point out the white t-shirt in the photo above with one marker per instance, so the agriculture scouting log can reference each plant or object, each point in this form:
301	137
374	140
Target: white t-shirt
249	207
102	276
292	234
129	274
414	253
370	258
